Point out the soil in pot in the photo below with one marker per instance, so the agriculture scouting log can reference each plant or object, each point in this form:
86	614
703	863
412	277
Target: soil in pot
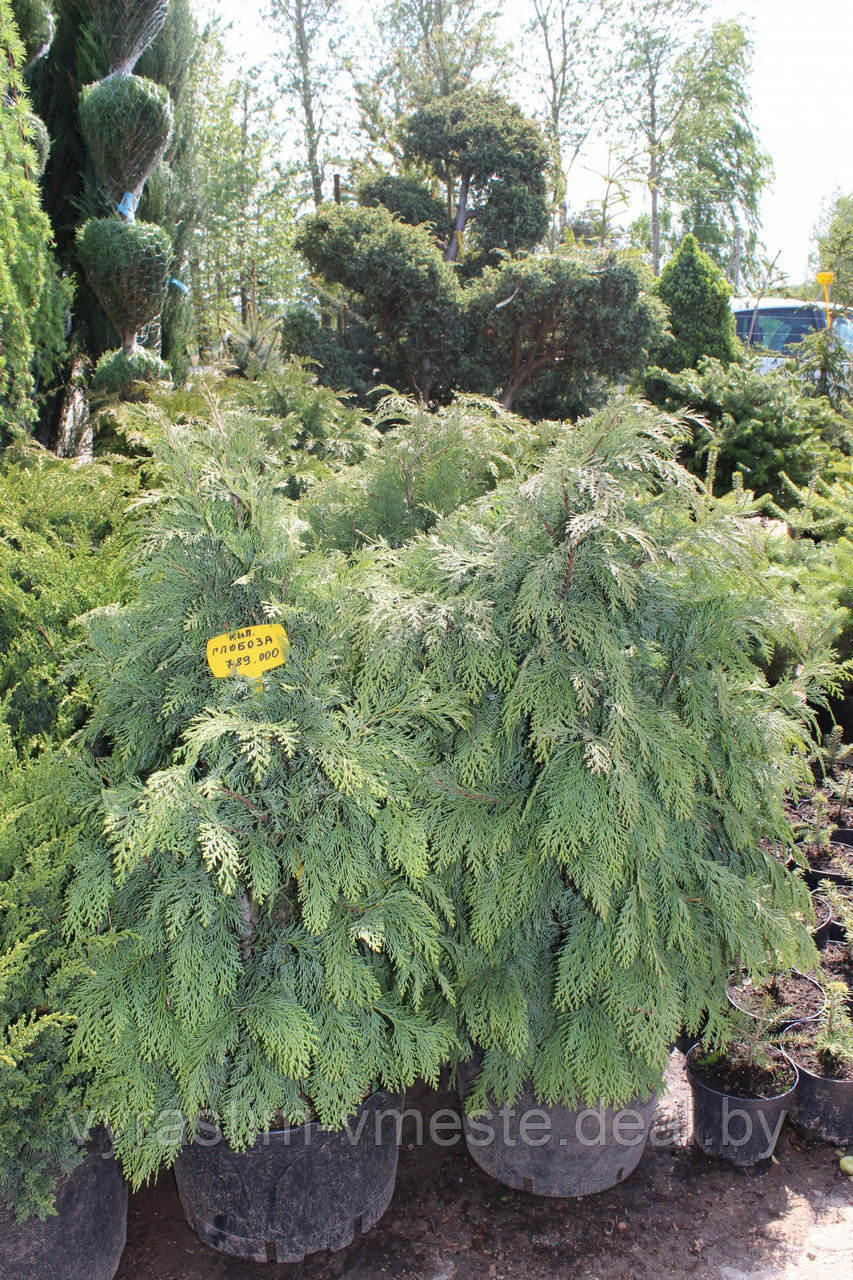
740	1104
832	863
297	1190
823	1105
85	1238
836	964
553	1150
795	997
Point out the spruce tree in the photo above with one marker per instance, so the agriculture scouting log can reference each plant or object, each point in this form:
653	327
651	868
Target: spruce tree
255	897
601	818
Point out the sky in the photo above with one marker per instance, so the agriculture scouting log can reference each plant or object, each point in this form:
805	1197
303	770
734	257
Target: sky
802	107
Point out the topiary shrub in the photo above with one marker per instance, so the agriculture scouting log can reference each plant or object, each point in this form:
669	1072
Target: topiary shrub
601	818
701	321
127	264
128	28
118	374
254	891
408	198
127	126
36	26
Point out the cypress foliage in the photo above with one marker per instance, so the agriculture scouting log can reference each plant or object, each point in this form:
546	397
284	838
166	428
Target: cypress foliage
601	818
255	895
41	1090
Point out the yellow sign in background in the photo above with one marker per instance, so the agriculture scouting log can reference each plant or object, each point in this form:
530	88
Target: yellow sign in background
250	651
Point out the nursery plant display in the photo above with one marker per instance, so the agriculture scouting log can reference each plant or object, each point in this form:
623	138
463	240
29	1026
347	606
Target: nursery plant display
602	817
63	1203
127	123
262	926
822	1051
741	1094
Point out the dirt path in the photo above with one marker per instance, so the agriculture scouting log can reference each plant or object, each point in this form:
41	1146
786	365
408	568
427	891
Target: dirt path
681	1216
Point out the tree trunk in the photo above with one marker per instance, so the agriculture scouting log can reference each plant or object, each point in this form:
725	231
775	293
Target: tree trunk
654	179
452	251
302	46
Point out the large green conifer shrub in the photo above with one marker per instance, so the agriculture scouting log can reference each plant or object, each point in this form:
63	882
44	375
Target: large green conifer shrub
424	467
601	819
263	929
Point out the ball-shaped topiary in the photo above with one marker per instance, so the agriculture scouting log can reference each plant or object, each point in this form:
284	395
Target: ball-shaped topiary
36	26
697	294
128	268
128	27
126	376
127	126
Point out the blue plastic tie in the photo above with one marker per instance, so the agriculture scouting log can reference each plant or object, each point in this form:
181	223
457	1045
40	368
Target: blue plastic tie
126	207
179	284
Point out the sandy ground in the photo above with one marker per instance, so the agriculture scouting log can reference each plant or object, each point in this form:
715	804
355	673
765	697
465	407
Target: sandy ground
681	1215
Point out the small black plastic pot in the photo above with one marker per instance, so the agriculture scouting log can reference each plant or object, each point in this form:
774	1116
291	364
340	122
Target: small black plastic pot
843	835
743	1131
822	1108
556	1151
297	1190
813	875
823	916
86	1237
783	1023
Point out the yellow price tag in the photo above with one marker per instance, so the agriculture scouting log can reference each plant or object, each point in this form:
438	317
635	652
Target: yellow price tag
250	651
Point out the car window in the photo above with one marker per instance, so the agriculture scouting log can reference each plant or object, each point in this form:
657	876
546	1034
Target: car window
777	328
843	326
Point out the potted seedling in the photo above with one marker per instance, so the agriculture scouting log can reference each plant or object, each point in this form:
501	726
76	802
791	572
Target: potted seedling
789	997
602	817
837	958
822	1052
819	853
263	929
742	1090
63	1202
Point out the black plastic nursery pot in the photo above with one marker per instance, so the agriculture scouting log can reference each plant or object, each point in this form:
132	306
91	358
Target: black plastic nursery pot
556	1151
743	1131
297	1190
780	1023
839	876
822	1108
85	1239
823	921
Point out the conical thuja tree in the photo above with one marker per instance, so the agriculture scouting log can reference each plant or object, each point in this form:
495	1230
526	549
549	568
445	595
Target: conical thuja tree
127	125
602	818
263	930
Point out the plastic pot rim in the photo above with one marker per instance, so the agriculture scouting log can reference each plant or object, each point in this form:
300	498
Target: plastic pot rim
722	1093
